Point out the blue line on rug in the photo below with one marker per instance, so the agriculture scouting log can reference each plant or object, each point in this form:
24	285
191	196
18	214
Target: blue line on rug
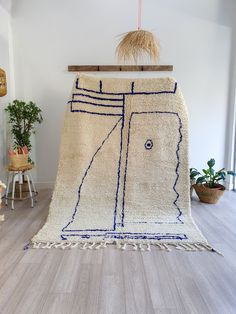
98	113
86	172
97	98
101	87
91	103
118	175
177	167
152	222
132	88
127	93
129	235
122	115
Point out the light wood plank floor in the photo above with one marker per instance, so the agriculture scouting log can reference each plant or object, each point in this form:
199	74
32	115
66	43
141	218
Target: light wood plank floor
114	281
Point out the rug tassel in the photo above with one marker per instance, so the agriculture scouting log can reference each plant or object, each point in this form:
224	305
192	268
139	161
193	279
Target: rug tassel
211	249
166	247
60	245
84	247
191	247
36	245
118	245
98	246
186	247
74	245
178	247
66	245
162	247
198	247
141	247
91	246
48	245
123	247
105	244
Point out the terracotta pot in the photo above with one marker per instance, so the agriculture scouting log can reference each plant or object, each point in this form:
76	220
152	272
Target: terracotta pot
209	195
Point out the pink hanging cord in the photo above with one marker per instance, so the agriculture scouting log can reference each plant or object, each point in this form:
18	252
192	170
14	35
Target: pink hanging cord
139	13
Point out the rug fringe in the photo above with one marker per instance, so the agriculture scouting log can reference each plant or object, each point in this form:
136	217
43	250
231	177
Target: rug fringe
135	246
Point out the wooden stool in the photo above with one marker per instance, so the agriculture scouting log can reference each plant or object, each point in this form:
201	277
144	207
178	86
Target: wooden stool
18	173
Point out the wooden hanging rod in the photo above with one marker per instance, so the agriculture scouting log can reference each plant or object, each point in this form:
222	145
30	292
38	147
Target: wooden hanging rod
116	68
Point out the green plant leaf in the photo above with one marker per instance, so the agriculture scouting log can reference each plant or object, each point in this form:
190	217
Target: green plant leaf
231	173
211	162
206	171
201	180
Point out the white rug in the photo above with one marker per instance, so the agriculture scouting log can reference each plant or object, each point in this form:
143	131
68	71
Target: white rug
123	174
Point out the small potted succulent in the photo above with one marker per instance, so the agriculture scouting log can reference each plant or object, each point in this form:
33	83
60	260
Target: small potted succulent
207	186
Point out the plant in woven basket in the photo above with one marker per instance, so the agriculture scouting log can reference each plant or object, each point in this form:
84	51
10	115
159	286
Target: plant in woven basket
207	184
23	118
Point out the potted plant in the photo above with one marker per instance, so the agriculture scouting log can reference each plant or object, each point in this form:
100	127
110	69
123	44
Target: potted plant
23	118
193	173
207	186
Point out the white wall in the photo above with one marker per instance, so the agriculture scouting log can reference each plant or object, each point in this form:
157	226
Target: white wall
231	121
5	64
195	37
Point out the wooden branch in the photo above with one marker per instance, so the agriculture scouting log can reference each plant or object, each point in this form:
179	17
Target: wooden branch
116	68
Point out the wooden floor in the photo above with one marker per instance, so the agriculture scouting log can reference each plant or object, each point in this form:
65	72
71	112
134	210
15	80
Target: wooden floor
115	281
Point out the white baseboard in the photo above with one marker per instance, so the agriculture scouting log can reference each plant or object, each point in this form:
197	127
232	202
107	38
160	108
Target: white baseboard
44	185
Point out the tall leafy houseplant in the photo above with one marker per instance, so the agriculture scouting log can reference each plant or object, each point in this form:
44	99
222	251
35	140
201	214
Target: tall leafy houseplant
23	117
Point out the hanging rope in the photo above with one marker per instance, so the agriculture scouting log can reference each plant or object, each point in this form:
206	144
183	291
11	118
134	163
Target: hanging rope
139	13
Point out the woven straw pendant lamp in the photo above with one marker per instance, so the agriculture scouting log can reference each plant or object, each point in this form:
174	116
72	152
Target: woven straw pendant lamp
137	44
3	83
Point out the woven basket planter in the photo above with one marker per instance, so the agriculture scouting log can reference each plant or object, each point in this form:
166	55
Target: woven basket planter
209	195
19	160
3	83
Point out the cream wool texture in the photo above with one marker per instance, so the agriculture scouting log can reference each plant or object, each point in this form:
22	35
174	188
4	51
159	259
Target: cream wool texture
123	174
